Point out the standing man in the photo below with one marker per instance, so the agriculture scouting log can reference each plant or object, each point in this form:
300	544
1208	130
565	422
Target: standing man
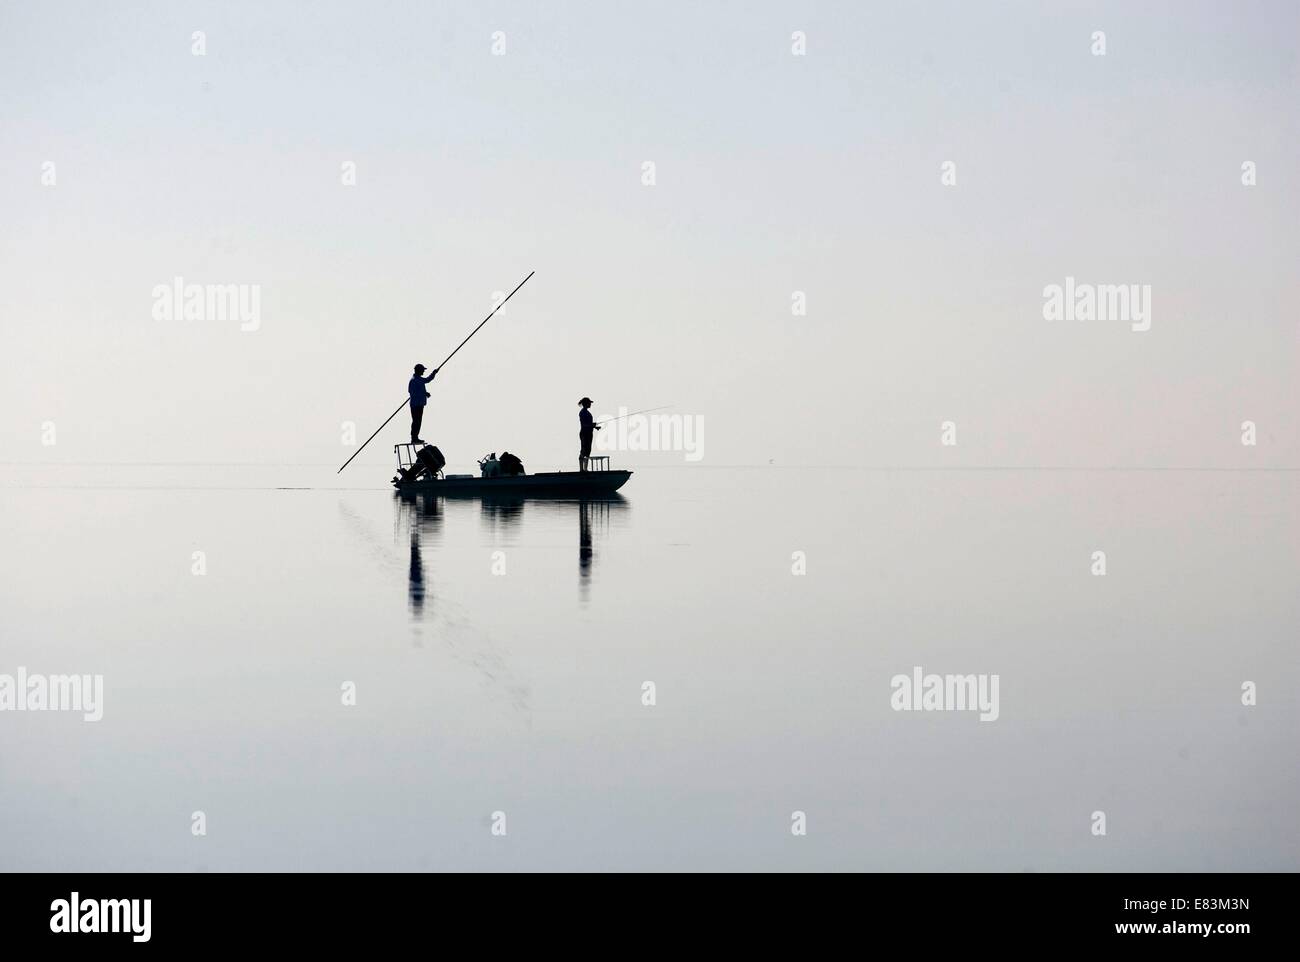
419	398
585	428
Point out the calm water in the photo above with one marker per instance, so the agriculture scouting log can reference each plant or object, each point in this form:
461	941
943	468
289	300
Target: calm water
521	691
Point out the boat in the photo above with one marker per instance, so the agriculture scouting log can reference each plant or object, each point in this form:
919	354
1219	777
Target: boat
549	484
420	472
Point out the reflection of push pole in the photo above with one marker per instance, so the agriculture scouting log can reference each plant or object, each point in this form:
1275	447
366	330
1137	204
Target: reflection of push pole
440	367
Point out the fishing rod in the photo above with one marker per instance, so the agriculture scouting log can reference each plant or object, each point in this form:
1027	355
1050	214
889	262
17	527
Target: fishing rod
633	414
438	368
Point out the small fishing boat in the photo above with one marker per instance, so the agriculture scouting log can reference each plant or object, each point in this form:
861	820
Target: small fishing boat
419	465
420	472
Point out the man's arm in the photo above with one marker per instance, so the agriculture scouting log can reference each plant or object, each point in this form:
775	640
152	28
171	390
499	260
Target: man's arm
430	377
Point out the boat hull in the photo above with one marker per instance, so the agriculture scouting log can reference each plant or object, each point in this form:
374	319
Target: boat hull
552	484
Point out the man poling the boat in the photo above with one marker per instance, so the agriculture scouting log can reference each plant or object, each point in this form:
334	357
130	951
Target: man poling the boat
419	398
586	427
416	418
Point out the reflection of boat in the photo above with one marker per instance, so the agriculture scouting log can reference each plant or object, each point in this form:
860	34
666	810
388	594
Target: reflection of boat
549	484
500	515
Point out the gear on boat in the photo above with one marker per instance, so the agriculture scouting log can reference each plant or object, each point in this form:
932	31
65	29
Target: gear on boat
428	460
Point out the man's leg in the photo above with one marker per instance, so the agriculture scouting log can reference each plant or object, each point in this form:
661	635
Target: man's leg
417	416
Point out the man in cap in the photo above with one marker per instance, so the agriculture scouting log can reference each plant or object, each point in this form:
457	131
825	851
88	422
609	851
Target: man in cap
585	428
419	398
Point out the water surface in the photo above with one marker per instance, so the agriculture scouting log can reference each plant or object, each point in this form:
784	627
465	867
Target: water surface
499	653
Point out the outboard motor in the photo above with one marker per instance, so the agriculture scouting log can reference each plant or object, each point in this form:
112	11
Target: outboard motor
428	461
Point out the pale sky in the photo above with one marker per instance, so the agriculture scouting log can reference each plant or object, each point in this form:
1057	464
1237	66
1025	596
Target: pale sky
775	173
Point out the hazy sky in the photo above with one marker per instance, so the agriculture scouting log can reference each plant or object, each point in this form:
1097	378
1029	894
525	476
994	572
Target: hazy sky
775	173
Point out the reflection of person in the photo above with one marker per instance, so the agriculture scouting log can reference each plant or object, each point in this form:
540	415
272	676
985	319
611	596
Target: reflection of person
416	575
423	516
419	398
584	539
585	428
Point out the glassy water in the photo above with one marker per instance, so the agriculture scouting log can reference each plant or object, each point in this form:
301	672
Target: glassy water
500	654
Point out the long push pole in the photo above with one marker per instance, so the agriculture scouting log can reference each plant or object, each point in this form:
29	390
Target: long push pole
439	368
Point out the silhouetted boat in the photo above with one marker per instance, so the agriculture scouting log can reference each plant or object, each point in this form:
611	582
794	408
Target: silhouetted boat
419	471
550	484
